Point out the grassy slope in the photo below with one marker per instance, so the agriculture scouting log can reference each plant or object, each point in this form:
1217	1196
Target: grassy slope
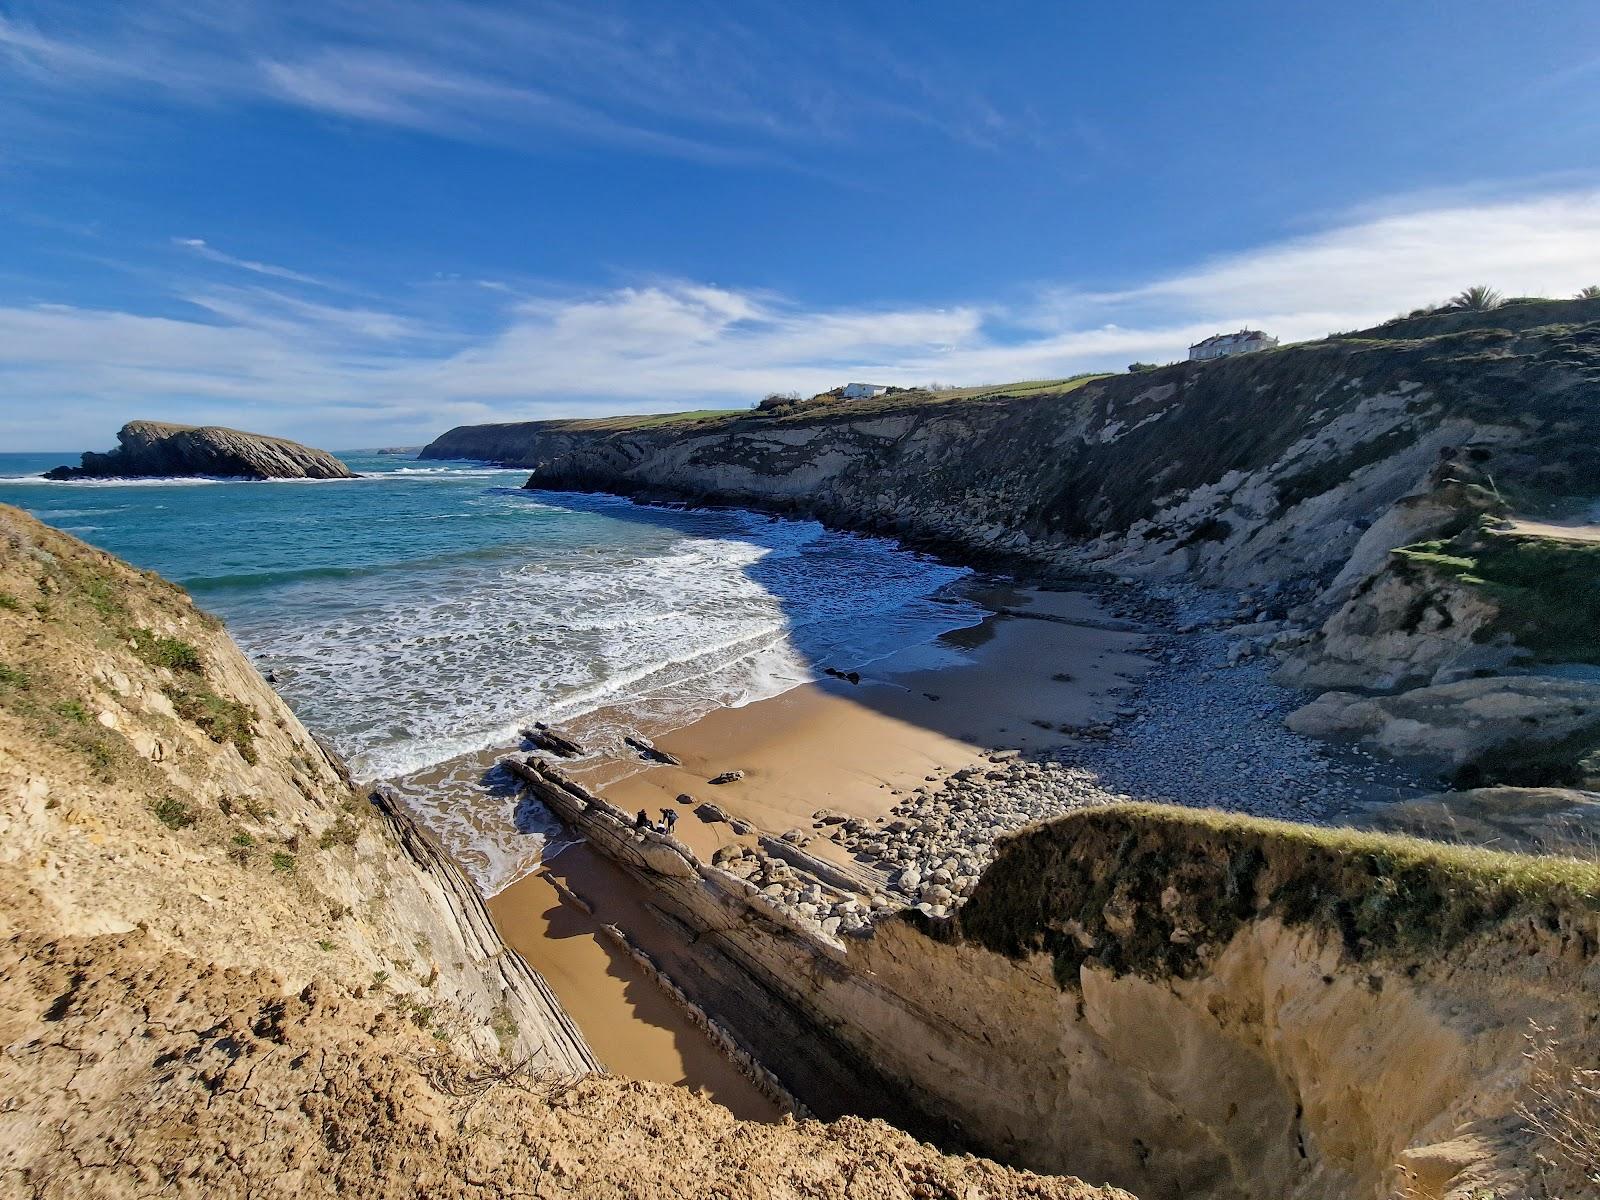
1547	588
878	405
1111	886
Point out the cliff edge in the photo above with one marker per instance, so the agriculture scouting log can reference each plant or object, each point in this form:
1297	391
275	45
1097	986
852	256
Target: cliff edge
156	448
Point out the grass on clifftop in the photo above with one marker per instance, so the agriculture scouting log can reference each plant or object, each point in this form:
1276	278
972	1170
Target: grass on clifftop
1547	588
656	420
1143	888
878	405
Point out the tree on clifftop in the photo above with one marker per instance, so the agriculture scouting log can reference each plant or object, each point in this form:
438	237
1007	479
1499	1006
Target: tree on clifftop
1476	299
1592	292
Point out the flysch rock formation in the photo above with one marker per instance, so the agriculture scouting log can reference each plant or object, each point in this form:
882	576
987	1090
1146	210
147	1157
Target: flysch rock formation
227	973
1186	1003
1360	490
159	449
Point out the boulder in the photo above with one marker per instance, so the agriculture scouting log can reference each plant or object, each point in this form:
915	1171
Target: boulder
1531	820
726	777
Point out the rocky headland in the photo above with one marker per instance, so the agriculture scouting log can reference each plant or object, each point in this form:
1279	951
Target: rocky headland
156	449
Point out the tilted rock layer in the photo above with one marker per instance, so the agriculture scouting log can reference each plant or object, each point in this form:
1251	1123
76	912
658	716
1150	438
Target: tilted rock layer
1184	1003
223	972
155	448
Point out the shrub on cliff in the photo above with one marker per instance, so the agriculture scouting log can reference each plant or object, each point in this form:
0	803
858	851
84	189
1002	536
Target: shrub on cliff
1477	298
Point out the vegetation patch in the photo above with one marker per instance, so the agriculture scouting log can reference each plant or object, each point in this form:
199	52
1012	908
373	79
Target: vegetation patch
221	719
342	832
12	678
1144	889
1571	761
1547	589
167	652
173	813
10	603
98	588
72	710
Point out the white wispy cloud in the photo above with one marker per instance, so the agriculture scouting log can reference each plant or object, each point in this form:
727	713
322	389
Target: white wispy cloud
350	374
205	250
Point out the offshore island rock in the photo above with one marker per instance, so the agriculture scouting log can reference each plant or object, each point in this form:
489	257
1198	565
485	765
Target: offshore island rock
156	448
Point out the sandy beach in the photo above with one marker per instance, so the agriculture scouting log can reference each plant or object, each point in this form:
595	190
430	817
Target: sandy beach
1039	661
1012	682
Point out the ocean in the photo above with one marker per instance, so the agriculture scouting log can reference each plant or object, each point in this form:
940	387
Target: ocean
417	617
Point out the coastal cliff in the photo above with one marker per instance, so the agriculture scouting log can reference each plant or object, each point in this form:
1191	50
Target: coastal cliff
1244	471
1345	487
1185	1003
159	449
227	972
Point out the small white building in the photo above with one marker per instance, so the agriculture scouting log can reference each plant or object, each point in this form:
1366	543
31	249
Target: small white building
1221	345
862	391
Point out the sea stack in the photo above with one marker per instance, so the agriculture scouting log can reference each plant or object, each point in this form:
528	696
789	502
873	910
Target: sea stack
156	448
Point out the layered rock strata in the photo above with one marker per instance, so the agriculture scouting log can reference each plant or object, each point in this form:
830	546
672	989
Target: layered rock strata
1183	1003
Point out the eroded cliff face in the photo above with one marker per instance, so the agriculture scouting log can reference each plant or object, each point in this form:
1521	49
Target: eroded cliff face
161	791
1254	469
1294	476
1182	1003
225	973
157	448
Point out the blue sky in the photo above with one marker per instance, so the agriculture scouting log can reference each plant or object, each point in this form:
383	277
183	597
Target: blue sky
361	223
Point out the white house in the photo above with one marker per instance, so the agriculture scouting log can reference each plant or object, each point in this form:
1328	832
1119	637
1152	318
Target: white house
862	391
1220	345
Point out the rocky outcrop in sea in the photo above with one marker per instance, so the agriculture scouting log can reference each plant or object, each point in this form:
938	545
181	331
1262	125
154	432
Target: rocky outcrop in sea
157	449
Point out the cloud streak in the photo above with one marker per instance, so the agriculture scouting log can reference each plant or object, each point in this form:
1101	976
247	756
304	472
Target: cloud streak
348	375
211	253
690	83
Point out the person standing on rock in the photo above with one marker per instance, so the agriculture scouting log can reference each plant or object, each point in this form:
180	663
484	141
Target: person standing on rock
669	818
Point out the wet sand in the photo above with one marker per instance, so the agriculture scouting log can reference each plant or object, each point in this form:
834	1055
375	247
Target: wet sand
628	1020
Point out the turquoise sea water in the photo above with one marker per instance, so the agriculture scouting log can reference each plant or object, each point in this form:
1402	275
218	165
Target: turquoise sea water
426	611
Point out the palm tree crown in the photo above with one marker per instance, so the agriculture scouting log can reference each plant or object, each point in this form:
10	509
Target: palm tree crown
1477	298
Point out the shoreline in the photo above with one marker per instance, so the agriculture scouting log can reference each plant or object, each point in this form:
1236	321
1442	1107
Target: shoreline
899	782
